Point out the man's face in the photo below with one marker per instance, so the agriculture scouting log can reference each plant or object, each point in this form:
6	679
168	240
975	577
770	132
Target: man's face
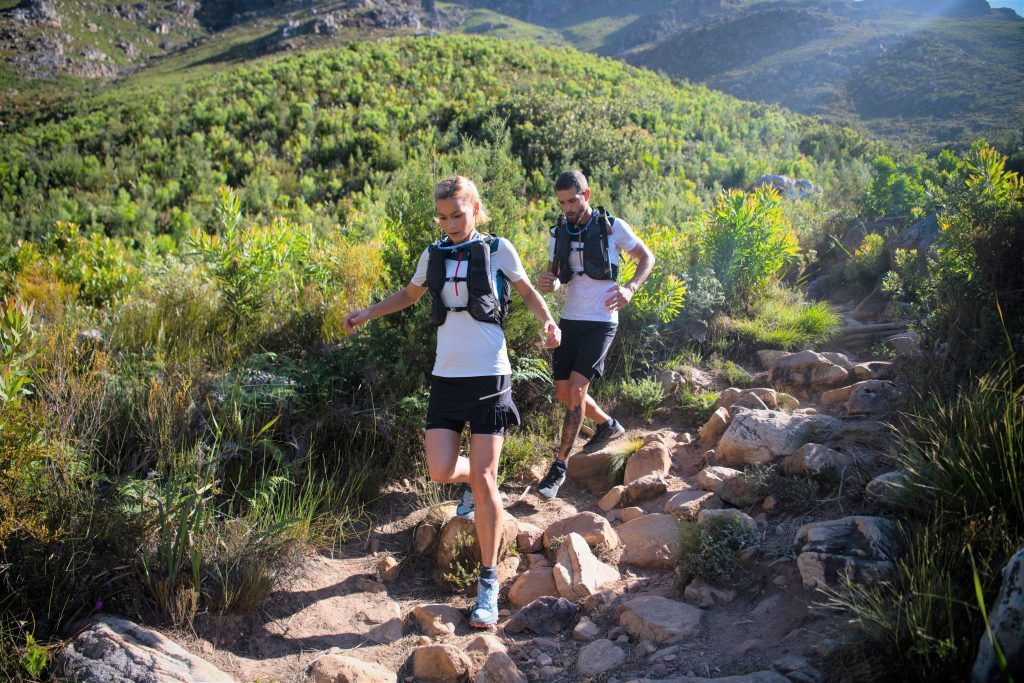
574	204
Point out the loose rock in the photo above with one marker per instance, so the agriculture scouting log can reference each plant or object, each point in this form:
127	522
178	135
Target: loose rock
599	657
659	619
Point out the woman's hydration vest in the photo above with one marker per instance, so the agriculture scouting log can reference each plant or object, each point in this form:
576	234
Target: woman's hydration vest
592	240
488	299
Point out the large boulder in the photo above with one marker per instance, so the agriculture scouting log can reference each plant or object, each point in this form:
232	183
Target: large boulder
730	485
1006	622
873	396
812	458
591	526
437	620
650	541
653	458
763	436
806	369
345	669
582	466
115	650
544	616
499	668
887	487
532	584
577	573
659	619
687	504
644	488
863	548
715	426
440	663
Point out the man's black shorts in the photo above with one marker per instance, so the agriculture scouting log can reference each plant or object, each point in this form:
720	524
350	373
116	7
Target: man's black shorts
484	402
584	345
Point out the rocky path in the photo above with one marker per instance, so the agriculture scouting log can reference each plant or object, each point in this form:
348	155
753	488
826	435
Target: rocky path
592	583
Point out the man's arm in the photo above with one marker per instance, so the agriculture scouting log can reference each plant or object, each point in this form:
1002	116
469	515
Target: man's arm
620	295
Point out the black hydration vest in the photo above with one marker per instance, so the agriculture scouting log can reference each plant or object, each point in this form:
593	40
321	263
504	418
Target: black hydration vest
596	261
488	299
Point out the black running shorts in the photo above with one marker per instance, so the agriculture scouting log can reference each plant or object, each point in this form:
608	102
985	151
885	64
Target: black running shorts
584	345
484	402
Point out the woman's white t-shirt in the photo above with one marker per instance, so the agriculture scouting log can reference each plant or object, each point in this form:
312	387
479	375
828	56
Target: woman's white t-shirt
467	347
583	297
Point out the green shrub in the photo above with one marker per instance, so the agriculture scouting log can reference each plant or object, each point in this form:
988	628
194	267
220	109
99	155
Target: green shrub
642	395
710	550
733	374
696	403
868	263
746	242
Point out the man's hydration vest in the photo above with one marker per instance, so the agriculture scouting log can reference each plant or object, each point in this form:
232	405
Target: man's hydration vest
592	240
488	299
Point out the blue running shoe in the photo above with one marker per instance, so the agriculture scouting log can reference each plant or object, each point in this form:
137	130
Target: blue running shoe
552	481
466	507
485	613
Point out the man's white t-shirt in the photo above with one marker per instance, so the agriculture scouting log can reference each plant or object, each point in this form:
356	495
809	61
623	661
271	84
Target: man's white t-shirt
467	347
583	296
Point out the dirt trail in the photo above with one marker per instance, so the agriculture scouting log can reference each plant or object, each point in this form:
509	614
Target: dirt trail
772	623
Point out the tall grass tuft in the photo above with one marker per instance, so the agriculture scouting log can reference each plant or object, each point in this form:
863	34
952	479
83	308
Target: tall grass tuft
964	462
783	320
970	453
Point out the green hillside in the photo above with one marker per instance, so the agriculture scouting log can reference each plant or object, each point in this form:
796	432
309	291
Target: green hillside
299	134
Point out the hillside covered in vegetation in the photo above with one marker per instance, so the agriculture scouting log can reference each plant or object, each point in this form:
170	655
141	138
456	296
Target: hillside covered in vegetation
181	417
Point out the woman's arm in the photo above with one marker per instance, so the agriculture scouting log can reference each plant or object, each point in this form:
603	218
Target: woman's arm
535	302
403	298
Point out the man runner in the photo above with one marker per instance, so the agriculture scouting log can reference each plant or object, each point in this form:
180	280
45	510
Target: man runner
584	256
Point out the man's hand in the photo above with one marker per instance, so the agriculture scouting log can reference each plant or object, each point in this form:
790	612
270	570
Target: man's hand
552	335
354	319
548	282
620	296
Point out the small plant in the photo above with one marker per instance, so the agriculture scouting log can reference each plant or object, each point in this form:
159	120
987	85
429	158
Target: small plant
710	550
464	571
696	403
868	263
643	395
555	542
34	659
16	350
795	495
733	374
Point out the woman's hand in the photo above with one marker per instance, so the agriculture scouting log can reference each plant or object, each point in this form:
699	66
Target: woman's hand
552	335
356	318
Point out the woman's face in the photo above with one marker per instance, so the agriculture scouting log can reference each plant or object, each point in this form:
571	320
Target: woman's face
457	217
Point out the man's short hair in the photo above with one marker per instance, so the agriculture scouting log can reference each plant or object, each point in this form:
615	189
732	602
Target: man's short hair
571	180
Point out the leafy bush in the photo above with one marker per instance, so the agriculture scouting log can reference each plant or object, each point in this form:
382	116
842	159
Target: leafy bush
642	395
746	242
970	293
868	263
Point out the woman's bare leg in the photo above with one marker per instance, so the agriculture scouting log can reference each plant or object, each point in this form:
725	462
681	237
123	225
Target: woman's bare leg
484	450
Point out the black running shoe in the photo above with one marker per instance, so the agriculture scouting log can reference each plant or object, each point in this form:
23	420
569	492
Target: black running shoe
549	485
604	433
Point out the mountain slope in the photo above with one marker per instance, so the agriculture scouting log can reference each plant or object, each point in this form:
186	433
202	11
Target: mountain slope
300	134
